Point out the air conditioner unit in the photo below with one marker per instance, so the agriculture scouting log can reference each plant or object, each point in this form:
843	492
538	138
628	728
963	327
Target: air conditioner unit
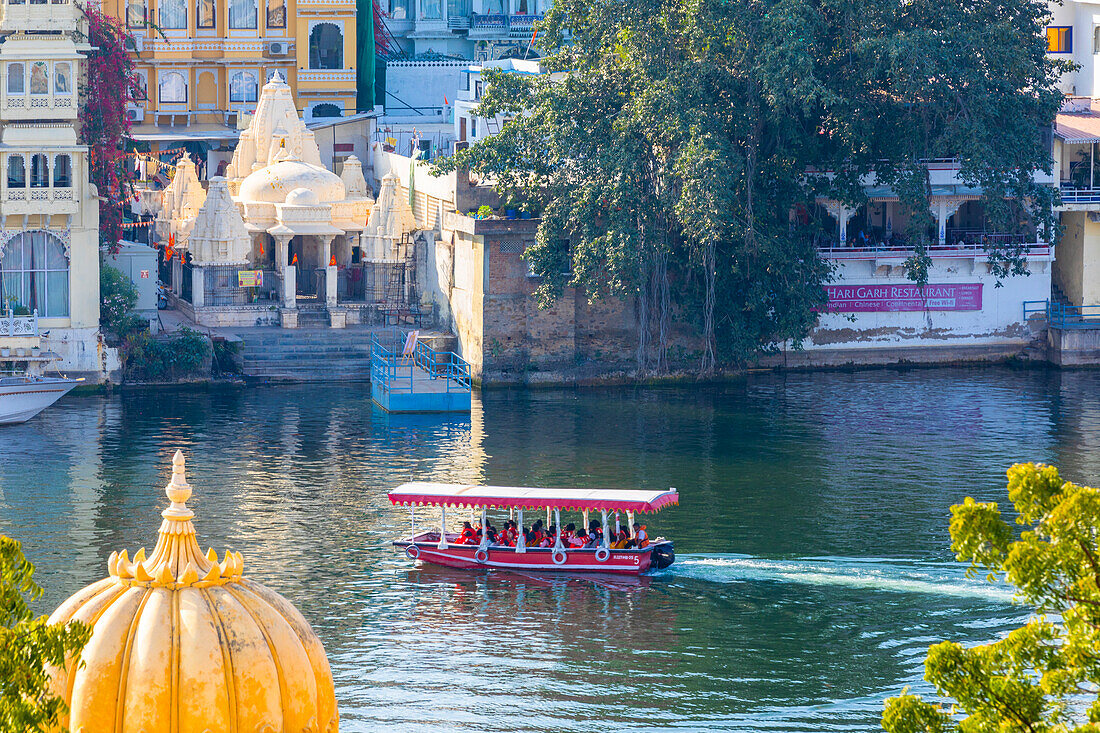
135	113
278	48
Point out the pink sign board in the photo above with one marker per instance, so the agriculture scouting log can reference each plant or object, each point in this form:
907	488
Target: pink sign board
909	297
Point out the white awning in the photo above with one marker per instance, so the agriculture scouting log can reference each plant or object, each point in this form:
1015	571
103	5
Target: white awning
522	497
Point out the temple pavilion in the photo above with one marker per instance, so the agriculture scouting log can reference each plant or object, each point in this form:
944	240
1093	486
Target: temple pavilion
183	642
281	235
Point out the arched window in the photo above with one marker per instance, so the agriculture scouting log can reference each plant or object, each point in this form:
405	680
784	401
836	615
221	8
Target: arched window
17	172
173	14
173	87
326	47
40	78
135	13
34	274
206	14
326	110
40	171
243	14
63	78
17	83
276	13
243	87
62	171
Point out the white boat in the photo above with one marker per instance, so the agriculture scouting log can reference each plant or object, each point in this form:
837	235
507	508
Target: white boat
24	396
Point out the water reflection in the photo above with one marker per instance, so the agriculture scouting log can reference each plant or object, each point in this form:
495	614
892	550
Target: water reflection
812	537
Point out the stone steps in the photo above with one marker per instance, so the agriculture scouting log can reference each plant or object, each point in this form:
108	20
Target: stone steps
315	354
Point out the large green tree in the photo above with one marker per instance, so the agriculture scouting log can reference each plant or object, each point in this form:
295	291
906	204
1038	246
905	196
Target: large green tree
27	645
1045	676
669	148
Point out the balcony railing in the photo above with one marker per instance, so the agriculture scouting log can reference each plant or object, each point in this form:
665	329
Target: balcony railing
1072	194
514	25
13	325
56	15
35	106
831	250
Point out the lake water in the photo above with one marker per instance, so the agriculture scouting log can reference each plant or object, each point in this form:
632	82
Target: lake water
812	573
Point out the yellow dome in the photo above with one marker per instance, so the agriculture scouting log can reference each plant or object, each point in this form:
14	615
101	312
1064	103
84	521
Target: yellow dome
183	643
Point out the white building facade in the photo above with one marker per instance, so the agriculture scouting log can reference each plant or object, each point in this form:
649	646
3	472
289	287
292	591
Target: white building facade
49	209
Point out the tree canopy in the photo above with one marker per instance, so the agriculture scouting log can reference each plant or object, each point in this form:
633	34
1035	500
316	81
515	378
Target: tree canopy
27	645
673	143
1045	676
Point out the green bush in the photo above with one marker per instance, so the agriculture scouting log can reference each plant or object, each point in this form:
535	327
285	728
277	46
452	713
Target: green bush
117	297
484	212
183	355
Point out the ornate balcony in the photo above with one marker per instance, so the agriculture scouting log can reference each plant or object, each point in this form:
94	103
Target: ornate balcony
38	15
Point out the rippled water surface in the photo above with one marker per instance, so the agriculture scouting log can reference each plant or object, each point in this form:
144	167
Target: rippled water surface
813	566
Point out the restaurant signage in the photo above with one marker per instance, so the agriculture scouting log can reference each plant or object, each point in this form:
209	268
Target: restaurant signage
907	297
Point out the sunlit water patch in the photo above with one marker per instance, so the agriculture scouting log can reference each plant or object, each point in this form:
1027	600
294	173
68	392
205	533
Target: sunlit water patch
814	565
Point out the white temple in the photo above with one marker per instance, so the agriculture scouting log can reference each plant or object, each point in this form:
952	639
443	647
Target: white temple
281	212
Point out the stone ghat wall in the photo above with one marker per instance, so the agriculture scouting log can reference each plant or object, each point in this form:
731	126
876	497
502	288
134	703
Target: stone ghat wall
483	288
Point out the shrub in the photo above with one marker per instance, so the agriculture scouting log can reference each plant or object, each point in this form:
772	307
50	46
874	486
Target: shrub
117	297
183	355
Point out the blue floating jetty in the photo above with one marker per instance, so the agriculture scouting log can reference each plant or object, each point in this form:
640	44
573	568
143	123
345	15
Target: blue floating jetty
410	376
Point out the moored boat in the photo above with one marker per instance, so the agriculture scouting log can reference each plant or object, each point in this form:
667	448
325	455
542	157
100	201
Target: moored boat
439	546
24	396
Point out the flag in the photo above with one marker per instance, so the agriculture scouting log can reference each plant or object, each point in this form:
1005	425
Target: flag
445	102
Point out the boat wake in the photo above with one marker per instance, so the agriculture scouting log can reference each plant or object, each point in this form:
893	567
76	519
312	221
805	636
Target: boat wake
888	576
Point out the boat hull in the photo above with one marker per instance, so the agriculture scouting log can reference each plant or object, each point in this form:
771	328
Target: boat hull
473	557
22	400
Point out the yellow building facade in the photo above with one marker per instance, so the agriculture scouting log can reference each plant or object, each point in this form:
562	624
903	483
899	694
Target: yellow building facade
202	63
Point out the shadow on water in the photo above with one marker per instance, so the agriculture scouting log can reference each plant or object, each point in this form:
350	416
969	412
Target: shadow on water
813	558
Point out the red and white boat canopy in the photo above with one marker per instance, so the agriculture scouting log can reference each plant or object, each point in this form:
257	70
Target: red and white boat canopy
426	493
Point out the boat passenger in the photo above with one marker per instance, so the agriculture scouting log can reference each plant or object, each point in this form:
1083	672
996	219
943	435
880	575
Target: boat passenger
548	538
468	536
593	541
641	539
579	540
567	534
491	533
620	542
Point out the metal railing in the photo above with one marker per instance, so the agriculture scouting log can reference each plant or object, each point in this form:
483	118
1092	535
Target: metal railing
393	371
1072	194
1066	317
13	325
831	251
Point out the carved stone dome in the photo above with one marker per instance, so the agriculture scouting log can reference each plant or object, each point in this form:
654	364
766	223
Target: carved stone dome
182	642
273	183
302	197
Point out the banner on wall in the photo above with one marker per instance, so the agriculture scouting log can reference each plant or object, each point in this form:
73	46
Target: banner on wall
904	297
250	278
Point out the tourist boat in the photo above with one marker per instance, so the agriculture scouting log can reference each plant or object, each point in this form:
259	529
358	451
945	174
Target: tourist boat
24	396
438	546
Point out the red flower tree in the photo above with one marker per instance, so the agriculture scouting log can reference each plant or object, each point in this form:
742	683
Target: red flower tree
110	83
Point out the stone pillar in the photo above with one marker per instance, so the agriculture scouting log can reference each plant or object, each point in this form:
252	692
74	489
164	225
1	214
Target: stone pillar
282	243
943	207
330	286
842	214
290	287
198	288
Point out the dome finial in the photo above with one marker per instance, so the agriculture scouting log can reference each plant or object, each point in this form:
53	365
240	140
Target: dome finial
178	491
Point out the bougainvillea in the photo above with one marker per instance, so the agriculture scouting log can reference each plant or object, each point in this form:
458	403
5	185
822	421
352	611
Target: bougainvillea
109	84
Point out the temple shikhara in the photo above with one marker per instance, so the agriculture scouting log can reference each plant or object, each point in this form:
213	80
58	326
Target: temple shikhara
310	243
